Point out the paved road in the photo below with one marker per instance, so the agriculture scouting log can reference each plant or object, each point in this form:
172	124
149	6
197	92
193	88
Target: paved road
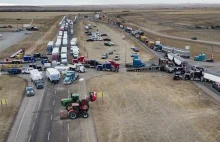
175	37
10	38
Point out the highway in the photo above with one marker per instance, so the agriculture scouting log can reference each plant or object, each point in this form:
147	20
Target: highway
175	37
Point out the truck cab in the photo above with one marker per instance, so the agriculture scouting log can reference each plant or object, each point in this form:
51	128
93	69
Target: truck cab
70	77
92	63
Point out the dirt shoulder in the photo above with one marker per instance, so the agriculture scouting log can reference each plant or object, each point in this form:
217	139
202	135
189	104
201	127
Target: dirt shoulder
14	97
145	107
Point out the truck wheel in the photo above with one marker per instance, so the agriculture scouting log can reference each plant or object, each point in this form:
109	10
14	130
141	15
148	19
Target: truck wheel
68	106
85	115
72	115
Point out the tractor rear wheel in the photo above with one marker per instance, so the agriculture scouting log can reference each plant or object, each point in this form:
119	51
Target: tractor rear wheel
68	106
85	115
72	115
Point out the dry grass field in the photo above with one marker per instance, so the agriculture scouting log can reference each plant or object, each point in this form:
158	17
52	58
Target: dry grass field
142	107
14	96
174	22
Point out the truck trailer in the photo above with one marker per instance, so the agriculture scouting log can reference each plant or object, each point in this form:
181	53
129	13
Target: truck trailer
53	75
55	54
50	47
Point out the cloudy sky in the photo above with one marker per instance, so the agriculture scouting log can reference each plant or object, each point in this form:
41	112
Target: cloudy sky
98	2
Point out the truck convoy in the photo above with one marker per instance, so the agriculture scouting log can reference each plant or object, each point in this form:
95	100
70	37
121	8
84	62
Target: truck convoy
53	75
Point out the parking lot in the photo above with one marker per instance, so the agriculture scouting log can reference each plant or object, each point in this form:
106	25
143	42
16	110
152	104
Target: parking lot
10	38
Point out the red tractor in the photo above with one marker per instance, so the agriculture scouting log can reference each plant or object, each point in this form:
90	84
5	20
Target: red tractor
81	109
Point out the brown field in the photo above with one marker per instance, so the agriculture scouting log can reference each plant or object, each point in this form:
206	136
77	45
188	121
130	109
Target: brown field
171	23
145	107
14	96
97	48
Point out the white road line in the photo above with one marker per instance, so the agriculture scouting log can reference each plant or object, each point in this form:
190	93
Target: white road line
29	138
48	136
68	139
33	126
36	115
68	126
16	136
51	117
53	102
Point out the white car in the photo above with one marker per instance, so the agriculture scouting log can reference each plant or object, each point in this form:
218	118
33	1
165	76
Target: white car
26	70
0	35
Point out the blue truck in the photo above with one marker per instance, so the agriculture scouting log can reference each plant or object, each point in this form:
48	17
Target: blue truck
108	66
50	47
70	77
14	71
137	63
29	59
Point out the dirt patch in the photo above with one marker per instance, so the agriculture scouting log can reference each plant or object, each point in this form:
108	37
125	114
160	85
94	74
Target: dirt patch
95	49
145	107
14	97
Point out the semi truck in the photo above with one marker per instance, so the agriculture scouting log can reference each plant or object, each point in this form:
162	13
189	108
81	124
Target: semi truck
167	49
50	47
28	59
210	77
179	61
55	54
182	53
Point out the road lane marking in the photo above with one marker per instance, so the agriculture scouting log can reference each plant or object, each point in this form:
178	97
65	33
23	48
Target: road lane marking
68	126
16	136
48	136
36	115
51	117
87	134
33	126
29	138
68	139
53	102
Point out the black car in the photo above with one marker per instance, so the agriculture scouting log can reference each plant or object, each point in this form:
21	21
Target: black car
177	76
216	86
39	84
106	39
91	63
194	38
103	34
32	29
135	49
33	66
110	53
89	33
90	39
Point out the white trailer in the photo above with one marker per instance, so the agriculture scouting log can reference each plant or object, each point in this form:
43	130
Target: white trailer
171	56
63	58
53	75
179	61
209	76
74	41
182	53
63	50
167	49
61	68
65	42
36	75
60	33
58	43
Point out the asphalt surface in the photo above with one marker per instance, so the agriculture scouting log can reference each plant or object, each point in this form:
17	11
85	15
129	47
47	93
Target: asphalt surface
10	38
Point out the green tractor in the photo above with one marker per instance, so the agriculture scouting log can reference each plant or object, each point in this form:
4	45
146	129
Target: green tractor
68	101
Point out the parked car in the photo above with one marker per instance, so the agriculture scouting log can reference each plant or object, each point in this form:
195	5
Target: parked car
110	53
26	70
29	91
108	43
103	34
194	38
90	39
107	39
134	53
117	57
105	56
216	86
39	84
135	49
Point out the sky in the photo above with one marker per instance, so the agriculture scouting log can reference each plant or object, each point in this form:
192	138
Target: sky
98	2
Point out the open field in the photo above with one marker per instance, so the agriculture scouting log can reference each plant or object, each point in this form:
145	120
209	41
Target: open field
37	41
145	107
97	48
14	97
178	23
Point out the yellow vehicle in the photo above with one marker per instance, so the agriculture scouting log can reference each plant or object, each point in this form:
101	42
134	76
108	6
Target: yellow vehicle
151	44
19	56
9	66
143	38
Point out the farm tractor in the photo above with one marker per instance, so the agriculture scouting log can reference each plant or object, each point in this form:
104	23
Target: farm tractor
70	102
